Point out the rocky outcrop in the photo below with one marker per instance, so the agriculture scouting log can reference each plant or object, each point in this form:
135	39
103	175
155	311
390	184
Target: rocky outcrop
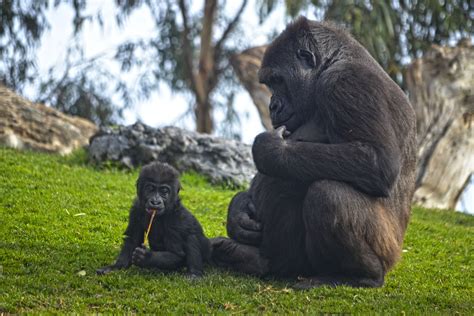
26	125
220	160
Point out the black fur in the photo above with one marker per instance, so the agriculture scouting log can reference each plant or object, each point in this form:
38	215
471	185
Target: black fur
176	238
336	179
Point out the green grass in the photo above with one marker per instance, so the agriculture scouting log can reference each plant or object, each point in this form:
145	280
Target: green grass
61	218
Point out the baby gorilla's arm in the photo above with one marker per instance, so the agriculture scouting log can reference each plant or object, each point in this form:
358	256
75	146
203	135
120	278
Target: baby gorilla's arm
145	258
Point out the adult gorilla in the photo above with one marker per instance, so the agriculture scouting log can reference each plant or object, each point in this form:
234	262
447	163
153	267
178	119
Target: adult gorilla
331	199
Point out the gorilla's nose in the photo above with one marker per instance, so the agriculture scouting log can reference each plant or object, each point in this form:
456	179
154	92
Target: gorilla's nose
275	106
156	203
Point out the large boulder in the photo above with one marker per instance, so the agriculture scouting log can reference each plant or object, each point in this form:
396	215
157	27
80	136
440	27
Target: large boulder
26	125
220	160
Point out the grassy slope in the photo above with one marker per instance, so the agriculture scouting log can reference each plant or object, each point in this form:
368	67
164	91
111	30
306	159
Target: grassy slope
59	217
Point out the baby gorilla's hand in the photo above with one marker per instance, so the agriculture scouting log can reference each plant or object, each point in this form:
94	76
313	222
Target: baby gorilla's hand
140	256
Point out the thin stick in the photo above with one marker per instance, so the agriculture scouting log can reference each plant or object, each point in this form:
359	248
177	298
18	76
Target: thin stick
149	227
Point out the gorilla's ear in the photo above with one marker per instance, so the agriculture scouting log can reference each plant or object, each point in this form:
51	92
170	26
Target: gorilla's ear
307	57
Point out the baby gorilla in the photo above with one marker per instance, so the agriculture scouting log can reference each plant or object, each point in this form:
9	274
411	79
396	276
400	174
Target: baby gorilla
176	238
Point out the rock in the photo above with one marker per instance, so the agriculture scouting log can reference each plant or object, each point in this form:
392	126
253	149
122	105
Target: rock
26	125
221	160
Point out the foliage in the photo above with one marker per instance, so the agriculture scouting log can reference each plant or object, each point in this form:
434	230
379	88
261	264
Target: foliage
395	32
21	27
61	219
184	54
190	52
81	86
85	88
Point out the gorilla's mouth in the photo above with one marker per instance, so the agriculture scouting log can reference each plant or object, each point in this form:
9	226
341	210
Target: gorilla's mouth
157	211
283	122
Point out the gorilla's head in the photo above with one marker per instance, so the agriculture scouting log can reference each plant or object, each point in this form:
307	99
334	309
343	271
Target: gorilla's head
291	67
158	187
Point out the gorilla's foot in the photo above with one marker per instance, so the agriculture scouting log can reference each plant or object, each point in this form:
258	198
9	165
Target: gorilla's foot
227	253
309	283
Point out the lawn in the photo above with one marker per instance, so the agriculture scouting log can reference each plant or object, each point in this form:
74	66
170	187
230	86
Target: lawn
61	219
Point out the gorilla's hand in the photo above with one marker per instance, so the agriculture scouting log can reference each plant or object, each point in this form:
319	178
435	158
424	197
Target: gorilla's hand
122	263
141	256
241	223
268	148
108	269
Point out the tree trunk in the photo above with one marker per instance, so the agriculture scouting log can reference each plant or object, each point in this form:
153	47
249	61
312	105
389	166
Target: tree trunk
203	81
246	65
200	81
204	123
440	87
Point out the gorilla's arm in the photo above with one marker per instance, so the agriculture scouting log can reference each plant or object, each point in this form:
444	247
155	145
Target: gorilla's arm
367	168
146	258
363	148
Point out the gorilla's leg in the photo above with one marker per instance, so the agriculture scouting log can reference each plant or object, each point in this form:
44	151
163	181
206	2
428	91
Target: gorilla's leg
349	237
228	253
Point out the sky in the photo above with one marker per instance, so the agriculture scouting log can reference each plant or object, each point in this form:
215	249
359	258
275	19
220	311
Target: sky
156	111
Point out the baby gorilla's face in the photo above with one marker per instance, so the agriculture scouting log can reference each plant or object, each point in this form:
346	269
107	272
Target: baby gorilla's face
157	196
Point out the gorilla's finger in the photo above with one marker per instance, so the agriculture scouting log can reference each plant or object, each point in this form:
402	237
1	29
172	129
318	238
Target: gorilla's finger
104	270
251	208
249	224
249	237
193	277
141	250
137	259
281	131
138	255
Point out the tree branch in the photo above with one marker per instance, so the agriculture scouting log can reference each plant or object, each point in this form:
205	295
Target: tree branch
230	27
187	51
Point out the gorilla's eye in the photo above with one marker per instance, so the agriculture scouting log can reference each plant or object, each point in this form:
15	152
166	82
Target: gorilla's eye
149	187
164	190
307	57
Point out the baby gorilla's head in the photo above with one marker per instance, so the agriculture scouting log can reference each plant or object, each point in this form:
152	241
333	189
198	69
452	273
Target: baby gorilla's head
158	187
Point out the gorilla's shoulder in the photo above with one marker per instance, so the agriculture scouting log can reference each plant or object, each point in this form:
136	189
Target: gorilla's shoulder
346	71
